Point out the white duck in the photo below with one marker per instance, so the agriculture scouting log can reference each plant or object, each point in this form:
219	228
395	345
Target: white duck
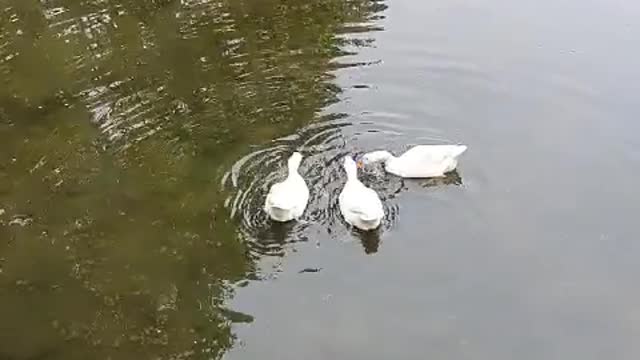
422	161
288	199
360	206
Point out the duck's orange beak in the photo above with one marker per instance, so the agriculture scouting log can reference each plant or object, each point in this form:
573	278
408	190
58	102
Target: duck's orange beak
360	164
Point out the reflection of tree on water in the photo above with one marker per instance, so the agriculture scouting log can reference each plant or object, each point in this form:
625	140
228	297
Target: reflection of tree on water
129	253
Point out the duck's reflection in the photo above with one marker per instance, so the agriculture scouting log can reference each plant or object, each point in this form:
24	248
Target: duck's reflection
389	186
273	237
450	178
370	240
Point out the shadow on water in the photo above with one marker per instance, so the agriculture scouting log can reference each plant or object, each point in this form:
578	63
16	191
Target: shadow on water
118	122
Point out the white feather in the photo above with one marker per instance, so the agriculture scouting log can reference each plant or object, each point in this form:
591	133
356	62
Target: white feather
360	206
422	161
288	199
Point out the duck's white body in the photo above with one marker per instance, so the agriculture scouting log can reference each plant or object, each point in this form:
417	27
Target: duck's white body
360	206
422	161
288	199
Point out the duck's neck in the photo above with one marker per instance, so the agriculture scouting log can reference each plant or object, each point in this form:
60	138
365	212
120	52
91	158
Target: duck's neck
381	155
292	167
352	172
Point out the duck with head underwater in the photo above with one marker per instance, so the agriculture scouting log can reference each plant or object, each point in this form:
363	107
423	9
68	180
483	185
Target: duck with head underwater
421	161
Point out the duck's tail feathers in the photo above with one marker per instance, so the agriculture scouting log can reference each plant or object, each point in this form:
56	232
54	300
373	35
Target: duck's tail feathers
280	214
369	222
459	150
368	217
282	204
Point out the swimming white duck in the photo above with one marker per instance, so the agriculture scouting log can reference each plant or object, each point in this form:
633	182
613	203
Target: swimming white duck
288	199
422	161
360	206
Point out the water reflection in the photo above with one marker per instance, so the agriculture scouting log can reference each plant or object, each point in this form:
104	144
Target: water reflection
370	240
451	178
118	122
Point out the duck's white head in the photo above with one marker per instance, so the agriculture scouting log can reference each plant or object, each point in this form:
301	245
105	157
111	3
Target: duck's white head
375	156
351	167
294	161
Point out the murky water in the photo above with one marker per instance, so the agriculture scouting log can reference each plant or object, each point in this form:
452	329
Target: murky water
138	139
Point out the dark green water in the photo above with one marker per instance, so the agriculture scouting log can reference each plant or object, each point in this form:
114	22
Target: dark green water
138	139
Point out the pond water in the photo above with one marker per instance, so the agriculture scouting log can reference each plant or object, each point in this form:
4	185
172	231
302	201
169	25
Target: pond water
138	140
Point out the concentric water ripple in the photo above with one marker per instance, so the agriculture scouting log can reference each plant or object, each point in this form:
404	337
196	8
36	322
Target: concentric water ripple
323	147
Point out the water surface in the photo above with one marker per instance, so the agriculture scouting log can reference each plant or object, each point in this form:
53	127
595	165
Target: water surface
137	140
